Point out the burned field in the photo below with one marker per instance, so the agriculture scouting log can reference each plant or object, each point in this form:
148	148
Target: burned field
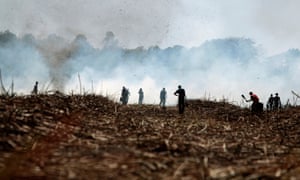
90	137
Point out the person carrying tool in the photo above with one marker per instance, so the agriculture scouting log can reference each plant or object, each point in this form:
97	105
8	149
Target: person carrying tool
181	98
256	106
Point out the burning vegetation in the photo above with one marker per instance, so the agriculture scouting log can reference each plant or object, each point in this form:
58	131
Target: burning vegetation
90	137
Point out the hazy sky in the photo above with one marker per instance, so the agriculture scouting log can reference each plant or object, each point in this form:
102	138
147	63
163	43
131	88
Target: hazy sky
273	24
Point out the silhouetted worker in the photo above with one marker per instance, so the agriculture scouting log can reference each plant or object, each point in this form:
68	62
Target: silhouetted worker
181	97
35	88
124	95
163	96
256	105
270	104
141	96
277	102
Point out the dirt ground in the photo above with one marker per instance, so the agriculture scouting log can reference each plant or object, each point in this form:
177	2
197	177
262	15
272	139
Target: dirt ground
89	137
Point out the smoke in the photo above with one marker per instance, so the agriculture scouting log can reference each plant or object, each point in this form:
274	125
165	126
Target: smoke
217	69
21	63
272	23
56	53
166	23
137	23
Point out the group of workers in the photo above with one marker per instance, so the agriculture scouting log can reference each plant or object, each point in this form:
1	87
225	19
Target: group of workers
125	96
163	95
273	103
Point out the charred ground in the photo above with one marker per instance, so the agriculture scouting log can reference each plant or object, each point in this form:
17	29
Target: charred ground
89	137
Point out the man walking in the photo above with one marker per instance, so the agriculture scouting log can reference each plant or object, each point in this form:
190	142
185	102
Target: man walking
163	95
124	95
277	102
35	88
141	96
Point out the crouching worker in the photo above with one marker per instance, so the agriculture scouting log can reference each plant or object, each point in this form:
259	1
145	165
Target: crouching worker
256	106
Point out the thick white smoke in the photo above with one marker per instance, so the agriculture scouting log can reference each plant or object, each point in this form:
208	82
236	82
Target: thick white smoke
217	69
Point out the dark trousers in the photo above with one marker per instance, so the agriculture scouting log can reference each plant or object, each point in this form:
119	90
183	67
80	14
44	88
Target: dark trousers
181	107
257	107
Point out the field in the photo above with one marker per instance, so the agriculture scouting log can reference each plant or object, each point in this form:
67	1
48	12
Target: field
90	137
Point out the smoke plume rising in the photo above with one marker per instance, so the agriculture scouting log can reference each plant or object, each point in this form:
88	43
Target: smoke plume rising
216	69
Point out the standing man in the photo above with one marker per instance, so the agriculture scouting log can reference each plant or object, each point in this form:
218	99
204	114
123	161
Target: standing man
163	96
141	96
35	88
270	104
181	98
124	95
277	102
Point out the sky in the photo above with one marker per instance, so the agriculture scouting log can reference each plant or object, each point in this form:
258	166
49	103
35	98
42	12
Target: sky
272	26
271	23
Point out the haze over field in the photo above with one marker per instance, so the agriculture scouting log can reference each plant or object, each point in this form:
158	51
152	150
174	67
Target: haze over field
214	49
